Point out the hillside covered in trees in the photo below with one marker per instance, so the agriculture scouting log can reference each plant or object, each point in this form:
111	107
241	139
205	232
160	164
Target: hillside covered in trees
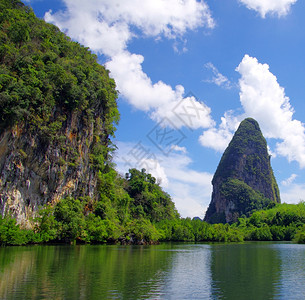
58	117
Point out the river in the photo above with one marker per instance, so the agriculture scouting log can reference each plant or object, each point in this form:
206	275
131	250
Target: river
168	271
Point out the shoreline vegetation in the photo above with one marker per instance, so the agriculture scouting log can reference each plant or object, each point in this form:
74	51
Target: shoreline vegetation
45	80
66	223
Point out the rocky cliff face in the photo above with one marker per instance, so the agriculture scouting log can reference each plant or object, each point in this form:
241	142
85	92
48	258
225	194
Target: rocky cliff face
57	114
244	180
34	170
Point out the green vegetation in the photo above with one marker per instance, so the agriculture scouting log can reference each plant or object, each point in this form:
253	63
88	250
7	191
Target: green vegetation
44	76
128	211
72	221
246	198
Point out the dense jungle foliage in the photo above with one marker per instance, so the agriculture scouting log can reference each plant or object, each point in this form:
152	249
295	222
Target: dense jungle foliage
68	222
44	75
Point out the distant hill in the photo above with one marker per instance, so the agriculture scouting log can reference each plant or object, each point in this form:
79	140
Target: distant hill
244	180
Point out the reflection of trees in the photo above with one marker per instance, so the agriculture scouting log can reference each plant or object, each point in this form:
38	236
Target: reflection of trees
81	272
246	271
15	267
189	276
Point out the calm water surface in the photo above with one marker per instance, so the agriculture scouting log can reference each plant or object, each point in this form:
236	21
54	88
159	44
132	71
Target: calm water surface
167	271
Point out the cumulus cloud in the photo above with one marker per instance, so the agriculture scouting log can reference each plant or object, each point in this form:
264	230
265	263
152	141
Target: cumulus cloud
190	190
179	149
289	180
136	86
159	99
218	78
219	137
137	155
187	111
264	99
263	7
108	26
293	193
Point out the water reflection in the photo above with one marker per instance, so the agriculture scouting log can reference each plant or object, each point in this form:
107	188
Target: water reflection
168	271
292	272
245	271
81	272
189	276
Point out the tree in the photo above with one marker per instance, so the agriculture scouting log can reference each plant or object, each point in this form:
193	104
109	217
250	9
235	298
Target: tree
71	222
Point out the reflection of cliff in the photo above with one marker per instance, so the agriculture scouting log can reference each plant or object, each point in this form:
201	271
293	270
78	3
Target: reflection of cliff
81	272
248	271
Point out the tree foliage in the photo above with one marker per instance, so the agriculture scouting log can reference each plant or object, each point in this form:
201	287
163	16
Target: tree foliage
69	221
44	75
246	198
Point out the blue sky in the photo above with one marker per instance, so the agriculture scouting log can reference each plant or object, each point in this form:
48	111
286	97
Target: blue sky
188	72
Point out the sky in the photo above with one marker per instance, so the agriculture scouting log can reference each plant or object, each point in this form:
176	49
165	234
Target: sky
188	72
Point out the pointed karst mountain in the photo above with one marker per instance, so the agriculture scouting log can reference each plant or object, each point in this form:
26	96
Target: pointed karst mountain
244	180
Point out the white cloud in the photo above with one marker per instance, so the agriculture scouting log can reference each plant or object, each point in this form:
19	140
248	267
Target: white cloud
153	167
108	26
139	156
218	78
293	193
136	86
263	7
289	180
179	149
216	138
190	190
219	138
187	200
187	112
180	46
270	152
264	99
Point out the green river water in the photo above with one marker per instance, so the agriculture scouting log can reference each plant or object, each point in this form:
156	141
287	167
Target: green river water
167	271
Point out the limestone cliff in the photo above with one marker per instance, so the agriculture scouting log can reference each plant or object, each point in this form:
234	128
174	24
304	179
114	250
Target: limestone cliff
34	171
244	180
57	114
